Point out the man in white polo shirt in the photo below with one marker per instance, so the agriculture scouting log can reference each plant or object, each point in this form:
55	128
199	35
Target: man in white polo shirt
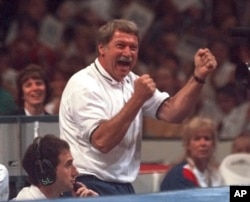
102	107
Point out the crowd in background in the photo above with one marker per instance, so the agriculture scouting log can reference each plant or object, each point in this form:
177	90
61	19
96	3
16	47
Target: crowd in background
59	36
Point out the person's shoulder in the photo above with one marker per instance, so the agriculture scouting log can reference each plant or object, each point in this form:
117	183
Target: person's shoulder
4	174
3	168
31	192
178	165
5	94
47	113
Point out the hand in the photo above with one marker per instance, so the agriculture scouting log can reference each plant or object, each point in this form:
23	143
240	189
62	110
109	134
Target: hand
83	191
205	63
144	87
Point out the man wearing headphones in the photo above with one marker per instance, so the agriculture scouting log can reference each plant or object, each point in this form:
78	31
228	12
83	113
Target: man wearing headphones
49	165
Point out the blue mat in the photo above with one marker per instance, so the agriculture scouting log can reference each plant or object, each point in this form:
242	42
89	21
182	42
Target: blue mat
218	194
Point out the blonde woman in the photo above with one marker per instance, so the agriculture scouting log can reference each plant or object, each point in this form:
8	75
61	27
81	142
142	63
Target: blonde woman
198	168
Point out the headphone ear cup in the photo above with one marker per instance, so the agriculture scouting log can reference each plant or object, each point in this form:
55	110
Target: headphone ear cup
45	172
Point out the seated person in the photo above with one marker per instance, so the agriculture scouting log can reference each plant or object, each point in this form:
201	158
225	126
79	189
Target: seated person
235	166
33	91
49	165
7	102
241	143
197	169
4	183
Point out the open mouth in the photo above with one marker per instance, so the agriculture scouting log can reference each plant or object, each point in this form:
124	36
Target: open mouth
124	61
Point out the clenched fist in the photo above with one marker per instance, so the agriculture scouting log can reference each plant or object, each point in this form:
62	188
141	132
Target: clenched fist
144	87
205	63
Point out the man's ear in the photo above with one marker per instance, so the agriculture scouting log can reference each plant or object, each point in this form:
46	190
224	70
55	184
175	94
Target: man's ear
101	49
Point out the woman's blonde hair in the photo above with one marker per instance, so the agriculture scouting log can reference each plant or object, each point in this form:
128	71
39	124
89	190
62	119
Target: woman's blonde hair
195	124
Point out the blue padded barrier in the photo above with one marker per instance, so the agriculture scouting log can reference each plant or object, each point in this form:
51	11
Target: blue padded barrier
218	194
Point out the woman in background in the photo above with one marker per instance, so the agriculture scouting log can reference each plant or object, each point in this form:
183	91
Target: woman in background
198	168
33	91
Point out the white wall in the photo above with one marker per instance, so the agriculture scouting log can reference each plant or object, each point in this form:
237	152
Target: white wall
171	150
14	140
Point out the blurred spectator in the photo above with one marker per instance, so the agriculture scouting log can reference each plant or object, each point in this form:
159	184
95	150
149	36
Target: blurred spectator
241	143
221	50
58	82
166	80
7	73
225	70
4	183
241	51
223	10
193	18
8	10
7	103
235	166
198	168
227	98
166	77
228	110
82	43
34	10
26	48
231	111
34	91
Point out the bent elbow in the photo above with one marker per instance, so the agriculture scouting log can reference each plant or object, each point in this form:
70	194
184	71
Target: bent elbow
102	148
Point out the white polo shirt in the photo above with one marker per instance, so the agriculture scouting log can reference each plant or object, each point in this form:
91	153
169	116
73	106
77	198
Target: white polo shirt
4	183
29	193
91	96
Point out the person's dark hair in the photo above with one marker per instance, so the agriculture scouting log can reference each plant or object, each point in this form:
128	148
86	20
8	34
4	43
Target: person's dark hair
107	31
50	147
230	89
35	72
25	21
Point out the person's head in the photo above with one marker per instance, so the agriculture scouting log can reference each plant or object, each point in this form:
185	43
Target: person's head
227	97
33	86
220	49
28	30
49	163
118	46
241	143
200	139
35	9
166	79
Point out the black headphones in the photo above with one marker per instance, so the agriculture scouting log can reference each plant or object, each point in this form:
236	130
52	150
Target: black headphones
44	169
